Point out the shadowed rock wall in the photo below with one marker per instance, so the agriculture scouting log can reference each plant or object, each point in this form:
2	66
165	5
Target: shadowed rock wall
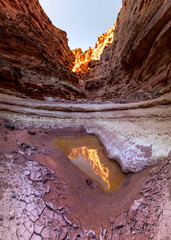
35	58
139	57
29	42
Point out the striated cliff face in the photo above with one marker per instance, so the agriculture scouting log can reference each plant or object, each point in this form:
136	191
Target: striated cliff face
31	47
136	66
130	62
84	60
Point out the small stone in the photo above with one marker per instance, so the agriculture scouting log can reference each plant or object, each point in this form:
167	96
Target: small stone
26	172
18	222
13	195
12	214
25	145
136	205
140	91
9	126
111	220
31	132
91	183
50	99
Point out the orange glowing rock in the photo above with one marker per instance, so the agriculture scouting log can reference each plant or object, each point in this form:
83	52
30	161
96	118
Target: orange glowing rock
91	154
82	58
88	155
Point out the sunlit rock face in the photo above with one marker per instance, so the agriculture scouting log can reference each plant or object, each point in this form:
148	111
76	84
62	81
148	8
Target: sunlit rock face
130	62
29	42
85	60
139	56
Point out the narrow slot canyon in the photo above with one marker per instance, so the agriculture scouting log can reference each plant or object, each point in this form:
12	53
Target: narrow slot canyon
85	147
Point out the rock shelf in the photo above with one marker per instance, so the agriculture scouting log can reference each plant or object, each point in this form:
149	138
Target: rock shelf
135	134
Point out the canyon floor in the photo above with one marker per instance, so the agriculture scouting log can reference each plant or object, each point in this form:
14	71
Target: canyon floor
44	196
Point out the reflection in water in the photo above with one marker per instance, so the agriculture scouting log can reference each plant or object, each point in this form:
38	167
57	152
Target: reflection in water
88	154
91	154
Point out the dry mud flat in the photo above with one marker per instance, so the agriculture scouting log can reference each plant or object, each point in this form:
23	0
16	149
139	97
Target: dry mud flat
44	196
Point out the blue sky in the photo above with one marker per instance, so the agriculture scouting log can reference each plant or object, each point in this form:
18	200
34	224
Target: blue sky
83	20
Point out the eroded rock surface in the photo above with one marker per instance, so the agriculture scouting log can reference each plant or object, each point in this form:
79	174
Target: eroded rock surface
135	134
84	61
42	195
32	51
138	65
130	66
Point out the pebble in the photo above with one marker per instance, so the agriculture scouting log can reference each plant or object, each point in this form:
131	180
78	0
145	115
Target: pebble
9	126
50	99
13	195
12	214
31	132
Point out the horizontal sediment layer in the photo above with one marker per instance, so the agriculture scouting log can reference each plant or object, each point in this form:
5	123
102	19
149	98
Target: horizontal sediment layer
135	134
83	107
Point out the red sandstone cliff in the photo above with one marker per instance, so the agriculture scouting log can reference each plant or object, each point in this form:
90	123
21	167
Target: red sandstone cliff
84	60
135	65
139	59
30	42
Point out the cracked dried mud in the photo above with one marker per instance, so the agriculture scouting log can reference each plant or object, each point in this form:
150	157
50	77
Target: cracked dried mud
44	196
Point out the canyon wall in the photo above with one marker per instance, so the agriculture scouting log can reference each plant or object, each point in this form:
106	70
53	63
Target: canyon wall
130	62
136	66
32	51
85	60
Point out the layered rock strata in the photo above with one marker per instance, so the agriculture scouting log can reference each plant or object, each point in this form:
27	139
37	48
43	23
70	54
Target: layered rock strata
136	135
32	47
138	60
133	65
85	60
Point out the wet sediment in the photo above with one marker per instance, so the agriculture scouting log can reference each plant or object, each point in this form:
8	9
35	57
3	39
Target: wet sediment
43	199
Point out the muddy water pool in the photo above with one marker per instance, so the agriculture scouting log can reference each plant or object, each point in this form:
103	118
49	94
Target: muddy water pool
88	154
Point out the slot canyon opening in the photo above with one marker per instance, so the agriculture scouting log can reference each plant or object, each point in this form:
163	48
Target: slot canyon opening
89	26
56	187
88	154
